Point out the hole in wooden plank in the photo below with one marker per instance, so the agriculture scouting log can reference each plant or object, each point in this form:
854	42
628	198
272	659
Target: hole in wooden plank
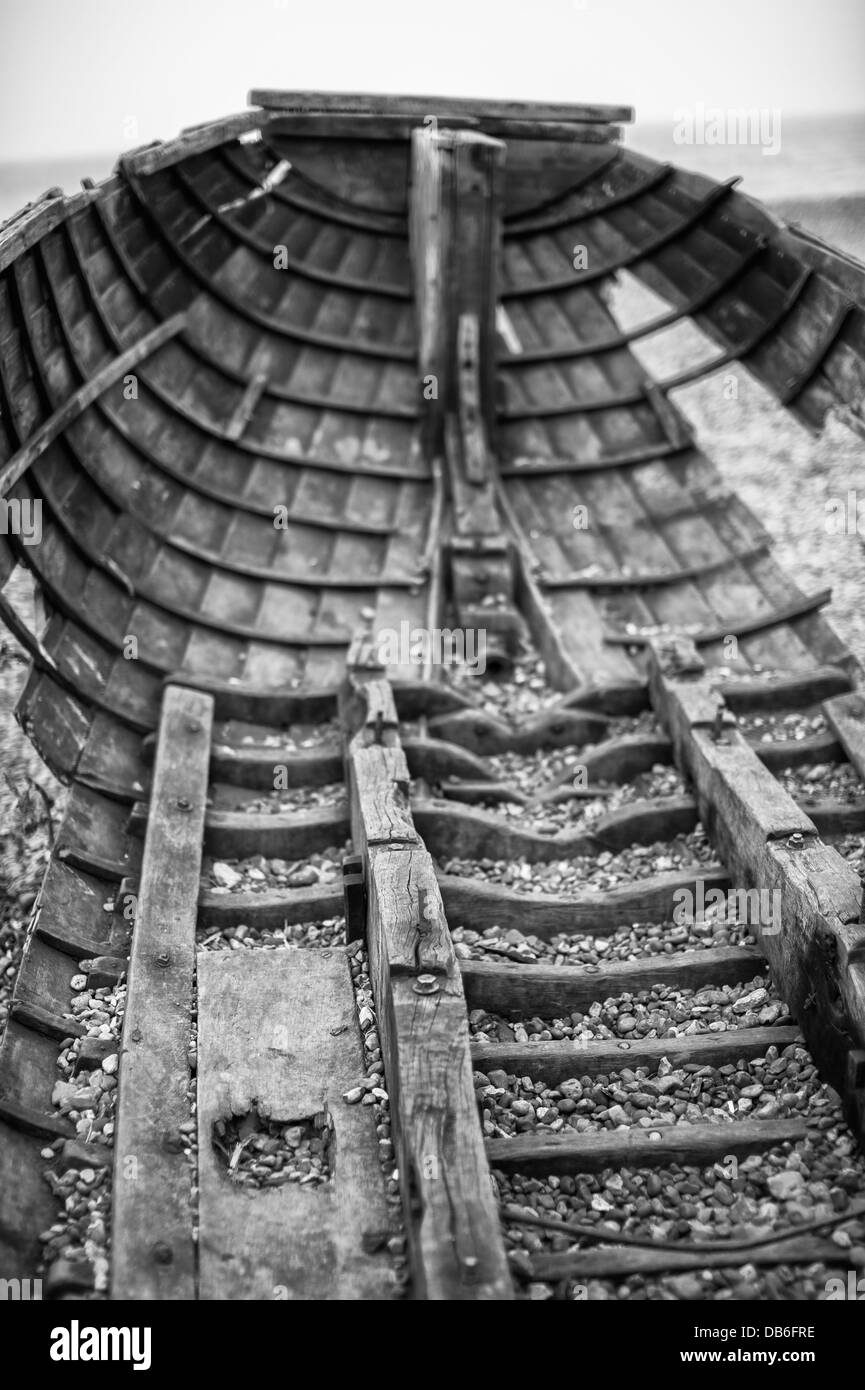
259	1151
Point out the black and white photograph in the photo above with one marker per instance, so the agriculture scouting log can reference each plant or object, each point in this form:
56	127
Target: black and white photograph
432	671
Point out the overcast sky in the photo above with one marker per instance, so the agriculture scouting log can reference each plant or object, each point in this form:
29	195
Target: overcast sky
81	76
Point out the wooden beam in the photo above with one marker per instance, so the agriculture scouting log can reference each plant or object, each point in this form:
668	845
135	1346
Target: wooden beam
197	139
455	223
699	1145
845	715
520	991
455	1244
153	1246
810	934
440	107
364	127
68	412
477	903
552	1062
278	1034
616	1263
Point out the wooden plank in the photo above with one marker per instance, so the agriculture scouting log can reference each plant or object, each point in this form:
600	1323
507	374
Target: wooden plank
478	904
620	1263
197	139
278	1032
269	909
455	1245
439	107
245	407
641	1148
520	991
553	1062
812	938
239	834
736	627
845	715
399	129
68	412
795	691
153	1247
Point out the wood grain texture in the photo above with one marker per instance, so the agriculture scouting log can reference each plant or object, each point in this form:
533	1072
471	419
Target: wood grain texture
641	1148
612	1263
552	1062
279	1031
440	107
153	1248
812	937
519	991
478	903
455	1245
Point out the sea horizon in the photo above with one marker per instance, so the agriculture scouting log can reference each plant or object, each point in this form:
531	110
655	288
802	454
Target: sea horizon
810	162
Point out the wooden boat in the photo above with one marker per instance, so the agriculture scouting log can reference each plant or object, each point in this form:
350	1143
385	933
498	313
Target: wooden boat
343	363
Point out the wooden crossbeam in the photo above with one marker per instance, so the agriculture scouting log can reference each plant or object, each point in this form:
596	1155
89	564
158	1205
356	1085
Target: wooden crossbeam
153	1246
442	107
811	934
455	1245
641	1148
553	1062
550	991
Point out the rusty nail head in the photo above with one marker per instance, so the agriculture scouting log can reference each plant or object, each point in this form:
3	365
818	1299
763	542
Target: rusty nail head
426	984
163	958
183	804
193	726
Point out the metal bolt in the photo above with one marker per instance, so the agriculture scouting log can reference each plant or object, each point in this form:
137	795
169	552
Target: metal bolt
426	984
183	804
796	840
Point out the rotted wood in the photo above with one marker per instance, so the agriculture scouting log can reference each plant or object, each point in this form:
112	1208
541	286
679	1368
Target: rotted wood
279	1035
813	937
455	1245
153	1248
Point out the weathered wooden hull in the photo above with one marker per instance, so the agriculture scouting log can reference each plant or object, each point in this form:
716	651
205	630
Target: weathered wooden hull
288	381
